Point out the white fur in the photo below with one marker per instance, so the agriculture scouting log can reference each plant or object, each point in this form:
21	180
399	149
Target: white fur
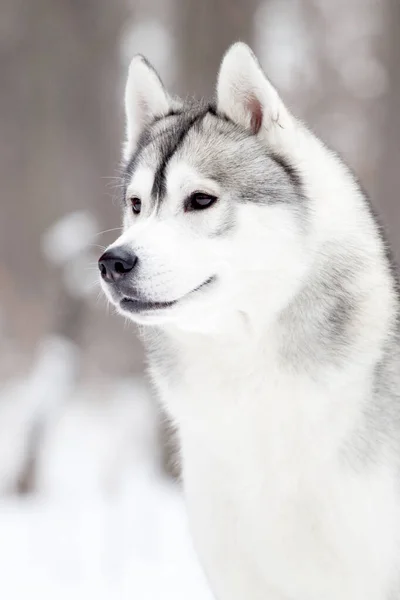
243	88
276	511
145	98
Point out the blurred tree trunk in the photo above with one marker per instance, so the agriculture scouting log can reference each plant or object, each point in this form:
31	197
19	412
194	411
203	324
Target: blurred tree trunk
205	30
61	125
388	194
61	122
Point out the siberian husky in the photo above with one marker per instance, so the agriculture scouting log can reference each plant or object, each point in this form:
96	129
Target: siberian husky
259	277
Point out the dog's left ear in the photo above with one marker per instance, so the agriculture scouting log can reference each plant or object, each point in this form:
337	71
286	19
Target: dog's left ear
145	100
246	96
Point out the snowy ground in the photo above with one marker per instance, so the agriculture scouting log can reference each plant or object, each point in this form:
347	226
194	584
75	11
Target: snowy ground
134	547
103	523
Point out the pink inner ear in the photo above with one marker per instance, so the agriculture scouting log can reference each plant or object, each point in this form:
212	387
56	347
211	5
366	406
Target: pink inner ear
254	107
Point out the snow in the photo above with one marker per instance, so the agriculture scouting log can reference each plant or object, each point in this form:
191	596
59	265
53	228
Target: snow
69	236
102	521
25	403
68	245
135	545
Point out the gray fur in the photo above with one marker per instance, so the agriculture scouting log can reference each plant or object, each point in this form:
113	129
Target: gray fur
215	143
318	325
379	426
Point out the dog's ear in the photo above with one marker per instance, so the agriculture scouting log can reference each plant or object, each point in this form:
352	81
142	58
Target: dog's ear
145	99
245	95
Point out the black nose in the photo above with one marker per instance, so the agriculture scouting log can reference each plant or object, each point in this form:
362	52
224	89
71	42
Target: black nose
116	263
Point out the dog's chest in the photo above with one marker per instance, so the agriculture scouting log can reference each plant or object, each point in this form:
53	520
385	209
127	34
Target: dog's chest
208	381
280	518
265	490
269	529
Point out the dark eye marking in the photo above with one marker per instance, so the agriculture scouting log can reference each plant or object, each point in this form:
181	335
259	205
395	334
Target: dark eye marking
199	201
136	205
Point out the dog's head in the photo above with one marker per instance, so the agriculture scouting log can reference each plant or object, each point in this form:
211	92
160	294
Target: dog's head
213	206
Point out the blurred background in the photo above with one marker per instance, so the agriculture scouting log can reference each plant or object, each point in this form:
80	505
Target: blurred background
88	502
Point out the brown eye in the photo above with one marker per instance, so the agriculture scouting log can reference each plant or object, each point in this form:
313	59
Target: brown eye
199	201
136	205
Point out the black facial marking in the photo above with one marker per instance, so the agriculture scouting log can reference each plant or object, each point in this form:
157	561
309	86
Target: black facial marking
170	145
146	138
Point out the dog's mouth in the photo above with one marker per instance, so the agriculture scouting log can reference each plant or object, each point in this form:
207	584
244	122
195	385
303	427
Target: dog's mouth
140	305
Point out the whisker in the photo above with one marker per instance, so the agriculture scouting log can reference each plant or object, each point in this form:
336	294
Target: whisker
108	230
97	246
115	186
100	296
93	284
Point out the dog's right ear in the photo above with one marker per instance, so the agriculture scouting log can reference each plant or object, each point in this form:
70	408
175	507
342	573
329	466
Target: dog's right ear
145	99
246	96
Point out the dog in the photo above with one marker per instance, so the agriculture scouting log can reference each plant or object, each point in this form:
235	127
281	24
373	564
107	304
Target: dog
262	285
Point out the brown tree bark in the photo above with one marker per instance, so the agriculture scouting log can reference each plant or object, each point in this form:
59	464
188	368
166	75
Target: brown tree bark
205	29
61	122
387	184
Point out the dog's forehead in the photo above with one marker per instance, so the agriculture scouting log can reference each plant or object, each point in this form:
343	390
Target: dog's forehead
162	138
194	136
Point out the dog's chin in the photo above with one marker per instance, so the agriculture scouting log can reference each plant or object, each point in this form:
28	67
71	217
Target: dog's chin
151	312
148	313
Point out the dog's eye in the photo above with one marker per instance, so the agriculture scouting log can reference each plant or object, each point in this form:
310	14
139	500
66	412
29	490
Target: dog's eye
199	201
136	205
